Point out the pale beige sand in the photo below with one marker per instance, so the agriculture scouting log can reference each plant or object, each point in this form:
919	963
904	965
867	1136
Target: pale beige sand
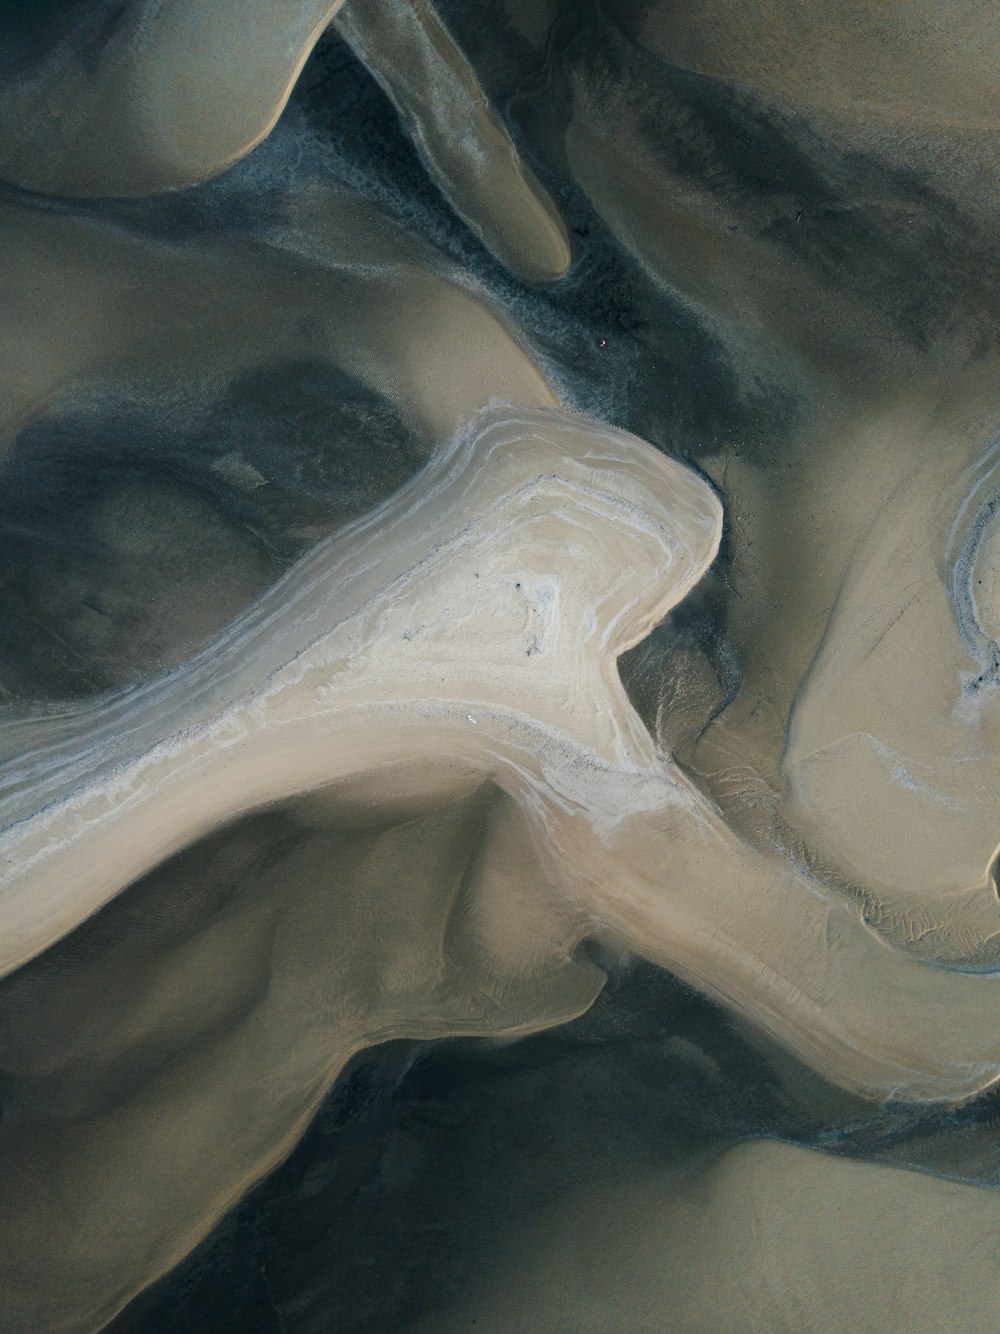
864	713
171	1051
172	93
176	1047
442	678
910	57
461	139
478	615
894	745
763	1239
92	301
406	902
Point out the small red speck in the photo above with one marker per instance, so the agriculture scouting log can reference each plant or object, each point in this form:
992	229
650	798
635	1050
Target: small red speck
602	342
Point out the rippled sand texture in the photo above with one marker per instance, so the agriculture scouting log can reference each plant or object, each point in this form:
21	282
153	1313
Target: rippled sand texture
413	617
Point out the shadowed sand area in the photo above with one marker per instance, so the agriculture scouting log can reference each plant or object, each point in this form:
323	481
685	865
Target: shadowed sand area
763	1237
143	97
499	540
406	647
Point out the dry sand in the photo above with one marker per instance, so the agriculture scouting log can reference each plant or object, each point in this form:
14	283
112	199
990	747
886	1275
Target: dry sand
867	704
395	796
443	673
145	97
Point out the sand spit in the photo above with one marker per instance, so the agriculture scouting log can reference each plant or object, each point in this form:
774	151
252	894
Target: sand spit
477	614
189	1031
97	302
161	96
472	622
461	139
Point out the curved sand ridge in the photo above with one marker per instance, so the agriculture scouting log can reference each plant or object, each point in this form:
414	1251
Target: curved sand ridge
91	301
892	748
390	801
865	723
151	96
172	1049
477	617
477	614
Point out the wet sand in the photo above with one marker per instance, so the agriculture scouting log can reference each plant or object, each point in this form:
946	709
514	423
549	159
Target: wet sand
761	1237
422	749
